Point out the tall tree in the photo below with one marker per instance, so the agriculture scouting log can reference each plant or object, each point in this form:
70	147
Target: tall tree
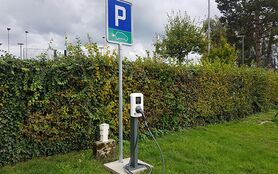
256	19
181	37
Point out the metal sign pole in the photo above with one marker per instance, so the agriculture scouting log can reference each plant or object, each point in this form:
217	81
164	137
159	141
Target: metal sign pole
119	31
120	105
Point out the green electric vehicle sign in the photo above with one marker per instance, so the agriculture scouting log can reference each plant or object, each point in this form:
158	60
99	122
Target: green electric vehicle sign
119	22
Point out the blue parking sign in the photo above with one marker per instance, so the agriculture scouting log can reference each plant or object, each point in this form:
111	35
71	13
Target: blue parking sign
119	22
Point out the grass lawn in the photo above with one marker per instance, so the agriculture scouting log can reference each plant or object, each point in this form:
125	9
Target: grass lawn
240	147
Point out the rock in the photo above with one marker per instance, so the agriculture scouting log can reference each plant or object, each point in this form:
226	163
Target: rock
104	150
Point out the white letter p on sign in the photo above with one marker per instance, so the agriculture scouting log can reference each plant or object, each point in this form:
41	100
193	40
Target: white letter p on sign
117	16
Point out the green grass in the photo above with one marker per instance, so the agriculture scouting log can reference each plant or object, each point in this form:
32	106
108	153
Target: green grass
240	147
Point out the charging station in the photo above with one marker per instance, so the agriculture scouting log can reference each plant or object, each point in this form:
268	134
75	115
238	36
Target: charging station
136	102
133	164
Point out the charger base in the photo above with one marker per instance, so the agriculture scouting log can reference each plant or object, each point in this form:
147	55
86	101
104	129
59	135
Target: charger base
117	167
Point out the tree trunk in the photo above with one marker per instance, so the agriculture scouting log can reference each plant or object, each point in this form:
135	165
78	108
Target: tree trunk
257	40
270	62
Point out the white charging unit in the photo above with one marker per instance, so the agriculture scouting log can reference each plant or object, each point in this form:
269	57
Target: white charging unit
136	99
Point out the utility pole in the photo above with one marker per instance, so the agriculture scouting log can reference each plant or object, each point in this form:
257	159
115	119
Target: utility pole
20	49
8	29
209	26
26	32
0	48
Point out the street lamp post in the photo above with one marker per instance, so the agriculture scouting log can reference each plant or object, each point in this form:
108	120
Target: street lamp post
20	49
8	29
103	47
26	32
104	41
0	46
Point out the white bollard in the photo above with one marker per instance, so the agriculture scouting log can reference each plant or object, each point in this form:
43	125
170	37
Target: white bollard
104	131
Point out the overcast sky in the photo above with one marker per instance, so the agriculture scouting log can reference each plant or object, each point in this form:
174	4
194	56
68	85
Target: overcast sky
53	19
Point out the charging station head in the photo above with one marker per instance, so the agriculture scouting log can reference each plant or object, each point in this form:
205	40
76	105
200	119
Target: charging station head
136	99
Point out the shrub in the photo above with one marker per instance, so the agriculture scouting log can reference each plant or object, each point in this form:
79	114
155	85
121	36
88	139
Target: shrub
54	106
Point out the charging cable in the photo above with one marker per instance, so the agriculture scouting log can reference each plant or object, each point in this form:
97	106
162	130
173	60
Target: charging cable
139	110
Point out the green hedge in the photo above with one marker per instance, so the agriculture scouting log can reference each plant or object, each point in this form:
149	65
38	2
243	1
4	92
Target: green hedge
49	107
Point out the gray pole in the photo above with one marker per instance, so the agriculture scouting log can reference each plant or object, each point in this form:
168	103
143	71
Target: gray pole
134	142
8	40
26	32
20	49
209	26
104	44
120	105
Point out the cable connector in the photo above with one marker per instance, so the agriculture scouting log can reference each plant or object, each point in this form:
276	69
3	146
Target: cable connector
138	109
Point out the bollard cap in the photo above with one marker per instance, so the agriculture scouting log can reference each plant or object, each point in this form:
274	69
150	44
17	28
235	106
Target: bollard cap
104	126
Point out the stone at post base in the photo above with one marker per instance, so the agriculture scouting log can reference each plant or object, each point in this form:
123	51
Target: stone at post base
104	151
117	167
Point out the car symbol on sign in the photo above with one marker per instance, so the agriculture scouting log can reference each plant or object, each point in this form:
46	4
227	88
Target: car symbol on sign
120	36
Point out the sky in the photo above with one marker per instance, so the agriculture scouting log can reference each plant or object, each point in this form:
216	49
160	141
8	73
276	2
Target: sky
51	20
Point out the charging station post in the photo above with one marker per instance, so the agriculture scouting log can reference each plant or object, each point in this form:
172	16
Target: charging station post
136	100
134	143
133	164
